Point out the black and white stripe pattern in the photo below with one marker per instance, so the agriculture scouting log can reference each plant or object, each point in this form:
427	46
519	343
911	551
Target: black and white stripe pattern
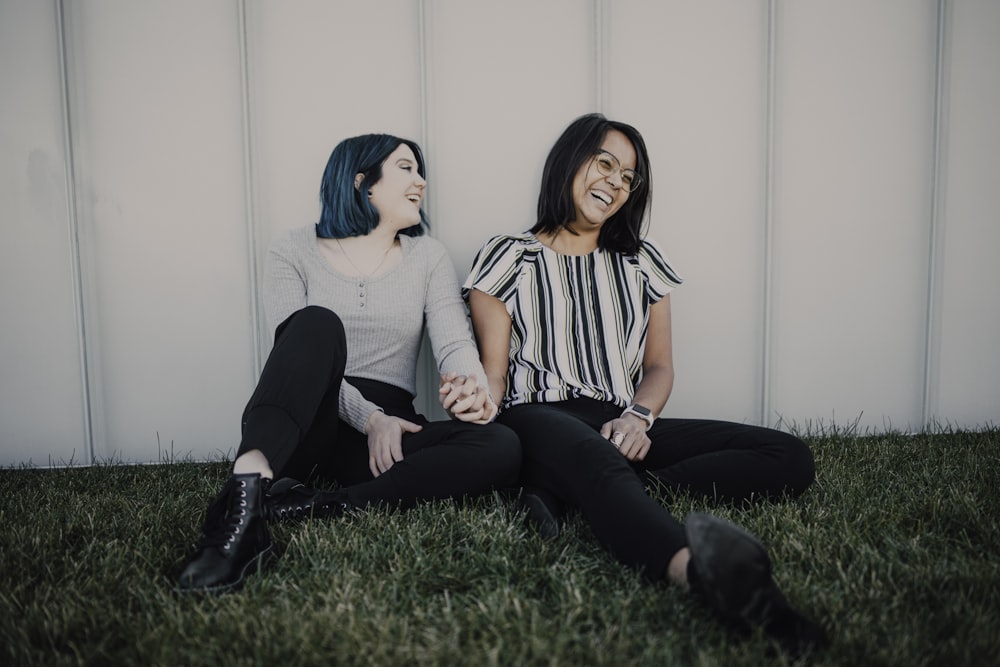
578	322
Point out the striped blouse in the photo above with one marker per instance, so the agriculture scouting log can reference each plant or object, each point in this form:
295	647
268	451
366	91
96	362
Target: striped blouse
578	322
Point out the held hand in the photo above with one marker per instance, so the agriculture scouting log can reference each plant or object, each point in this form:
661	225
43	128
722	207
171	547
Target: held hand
628	435
466	400
385	440
482	411
450	390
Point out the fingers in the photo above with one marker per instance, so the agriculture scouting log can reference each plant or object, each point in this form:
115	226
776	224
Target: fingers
635	448
447	384
395	452
483	410
479	416
408	427
476	402
606	431
627	438
639	448
464	398
385	444
383	456
469	417
454	388
452	385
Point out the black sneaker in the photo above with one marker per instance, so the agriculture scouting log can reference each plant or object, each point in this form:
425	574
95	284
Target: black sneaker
731	571
234	541
289	499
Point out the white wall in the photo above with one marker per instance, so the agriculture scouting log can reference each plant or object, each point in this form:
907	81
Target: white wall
966	374
693	78
853	165
41	388
825	177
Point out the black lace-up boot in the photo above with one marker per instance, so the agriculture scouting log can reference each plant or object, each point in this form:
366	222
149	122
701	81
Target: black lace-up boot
731	571
289	499
234	540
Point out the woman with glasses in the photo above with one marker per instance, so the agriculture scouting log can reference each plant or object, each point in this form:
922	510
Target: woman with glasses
573	324
349	299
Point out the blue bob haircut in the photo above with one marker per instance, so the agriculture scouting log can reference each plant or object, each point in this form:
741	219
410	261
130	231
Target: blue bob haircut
346	210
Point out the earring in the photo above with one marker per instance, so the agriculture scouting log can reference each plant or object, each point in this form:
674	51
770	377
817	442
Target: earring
370	193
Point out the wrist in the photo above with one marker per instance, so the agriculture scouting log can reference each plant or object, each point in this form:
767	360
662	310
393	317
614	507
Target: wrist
491	408
376	414
642	412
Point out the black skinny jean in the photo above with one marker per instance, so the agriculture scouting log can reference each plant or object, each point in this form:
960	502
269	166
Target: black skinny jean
292	418
566	459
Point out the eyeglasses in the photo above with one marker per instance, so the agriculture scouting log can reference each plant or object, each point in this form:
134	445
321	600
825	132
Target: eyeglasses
608	164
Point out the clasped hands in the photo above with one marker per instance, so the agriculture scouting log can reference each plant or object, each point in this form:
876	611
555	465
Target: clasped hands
465	399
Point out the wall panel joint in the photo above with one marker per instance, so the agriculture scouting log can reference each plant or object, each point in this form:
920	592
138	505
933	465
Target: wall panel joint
72	211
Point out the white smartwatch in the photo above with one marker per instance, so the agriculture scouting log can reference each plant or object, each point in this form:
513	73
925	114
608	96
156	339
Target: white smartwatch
642	412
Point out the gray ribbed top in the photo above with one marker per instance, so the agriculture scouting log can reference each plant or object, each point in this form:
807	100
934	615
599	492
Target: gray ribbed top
384	316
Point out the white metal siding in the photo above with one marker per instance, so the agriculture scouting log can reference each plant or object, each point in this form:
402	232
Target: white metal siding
825	177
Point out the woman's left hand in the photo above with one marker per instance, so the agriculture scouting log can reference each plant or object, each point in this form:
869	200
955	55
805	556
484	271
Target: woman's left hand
385	438
628	435
466	400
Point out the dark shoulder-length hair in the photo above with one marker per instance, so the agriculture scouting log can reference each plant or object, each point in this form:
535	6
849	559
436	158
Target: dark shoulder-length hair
577	145
345	209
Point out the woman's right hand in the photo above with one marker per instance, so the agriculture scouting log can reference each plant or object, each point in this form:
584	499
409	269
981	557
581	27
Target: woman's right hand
464	399
385	440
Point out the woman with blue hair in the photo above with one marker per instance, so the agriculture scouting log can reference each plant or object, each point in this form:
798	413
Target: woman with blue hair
349	299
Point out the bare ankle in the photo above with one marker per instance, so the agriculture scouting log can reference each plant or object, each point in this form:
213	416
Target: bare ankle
251	462
677	567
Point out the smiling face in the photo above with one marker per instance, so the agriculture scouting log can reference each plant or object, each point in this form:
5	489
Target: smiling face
597	197
398	193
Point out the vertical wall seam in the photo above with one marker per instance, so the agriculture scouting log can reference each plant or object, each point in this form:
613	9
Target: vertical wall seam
424	100
72	211
248	190
429	366
932	316
600	54
768	212
422	64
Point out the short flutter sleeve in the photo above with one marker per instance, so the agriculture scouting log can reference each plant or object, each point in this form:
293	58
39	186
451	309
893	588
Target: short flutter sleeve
661	278
497	267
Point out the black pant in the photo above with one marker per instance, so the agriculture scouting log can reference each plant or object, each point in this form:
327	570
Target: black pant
292	418
566	459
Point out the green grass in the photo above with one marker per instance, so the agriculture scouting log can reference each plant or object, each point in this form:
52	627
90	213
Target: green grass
895	549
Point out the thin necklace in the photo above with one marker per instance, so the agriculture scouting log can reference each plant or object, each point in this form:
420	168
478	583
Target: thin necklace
377	266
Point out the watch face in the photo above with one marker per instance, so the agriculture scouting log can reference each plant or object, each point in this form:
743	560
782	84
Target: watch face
641	409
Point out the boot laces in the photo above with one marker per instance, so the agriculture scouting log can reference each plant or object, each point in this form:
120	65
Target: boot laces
226	518
309	501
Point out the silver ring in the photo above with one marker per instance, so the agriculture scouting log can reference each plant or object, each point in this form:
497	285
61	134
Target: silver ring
617	438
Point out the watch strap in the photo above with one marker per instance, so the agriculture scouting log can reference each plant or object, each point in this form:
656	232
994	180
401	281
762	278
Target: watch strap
642	412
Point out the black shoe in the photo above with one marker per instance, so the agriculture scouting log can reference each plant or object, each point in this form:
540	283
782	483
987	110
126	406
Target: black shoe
542	513
234	540
290	499
731	571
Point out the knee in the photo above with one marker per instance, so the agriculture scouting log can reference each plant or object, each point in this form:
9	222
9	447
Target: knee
321	319
313	322
505	450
